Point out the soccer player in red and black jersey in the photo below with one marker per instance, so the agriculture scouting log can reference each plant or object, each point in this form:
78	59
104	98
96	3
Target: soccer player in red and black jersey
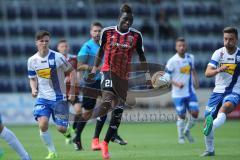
117	45
71	81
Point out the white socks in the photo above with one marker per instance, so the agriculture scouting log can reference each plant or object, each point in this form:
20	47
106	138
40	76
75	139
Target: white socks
180	127
12	140
191	122
209	141
47	140
221	118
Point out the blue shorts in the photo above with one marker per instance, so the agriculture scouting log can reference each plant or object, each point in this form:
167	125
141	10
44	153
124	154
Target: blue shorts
0	119
217	99
58	109
183	104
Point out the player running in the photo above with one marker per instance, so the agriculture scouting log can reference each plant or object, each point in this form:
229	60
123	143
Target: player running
86	58
225	66
46	71
8	136
180	68
72	86
117	45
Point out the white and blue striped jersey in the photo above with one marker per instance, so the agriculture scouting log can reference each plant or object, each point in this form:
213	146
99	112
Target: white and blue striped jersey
180	70
229	80
49	72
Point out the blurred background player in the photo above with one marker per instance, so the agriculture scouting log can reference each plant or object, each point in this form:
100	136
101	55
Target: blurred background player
225	66
117	44
183	76
46	71
72	85
86	58
8	136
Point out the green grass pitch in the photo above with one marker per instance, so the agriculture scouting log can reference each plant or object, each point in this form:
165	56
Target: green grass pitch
146	141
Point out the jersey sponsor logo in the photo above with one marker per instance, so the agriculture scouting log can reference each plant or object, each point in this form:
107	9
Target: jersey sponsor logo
231	67
185	69
120	45
43	61
44	73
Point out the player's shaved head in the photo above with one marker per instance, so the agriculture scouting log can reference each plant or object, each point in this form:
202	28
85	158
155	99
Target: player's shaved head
41	34
232	30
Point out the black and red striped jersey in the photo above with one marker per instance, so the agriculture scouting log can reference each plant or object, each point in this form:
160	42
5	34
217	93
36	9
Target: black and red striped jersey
118	49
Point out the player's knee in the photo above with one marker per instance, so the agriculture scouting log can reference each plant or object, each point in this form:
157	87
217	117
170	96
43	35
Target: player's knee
87	115
43	124
62	129
194	114
227	107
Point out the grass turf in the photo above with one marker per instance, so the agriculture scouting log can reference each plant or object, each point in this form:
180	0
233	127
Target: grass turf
146	141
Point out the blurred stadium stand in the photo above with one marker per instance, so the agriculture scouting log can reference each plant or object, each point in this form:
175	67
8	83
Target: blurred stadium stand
160	21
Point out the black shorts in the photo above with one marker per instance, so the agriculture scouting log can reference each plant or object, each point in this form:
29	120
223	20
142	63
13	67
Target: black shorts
90	93
75	101
112	82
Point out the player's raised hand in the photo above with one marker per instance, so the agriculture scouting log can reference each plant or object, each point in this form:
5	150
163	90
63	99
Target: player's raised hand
34	92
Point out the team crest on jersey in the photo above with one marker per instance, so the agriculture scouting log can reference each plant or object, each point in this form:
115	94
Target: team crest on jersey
238	58
51	61
130	39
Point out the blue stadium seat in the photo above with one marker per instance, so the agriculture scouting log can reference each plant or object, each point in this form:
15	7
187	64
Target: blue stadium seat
215	10
20	69
3	50
150	48
75	48
4	69
11	12
194	47
57	30
74	31
22	86
49	12
142	11
29	49
16	50
2	32
14	30
73	12
5	86
26	12
107	12
188	10
28	30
